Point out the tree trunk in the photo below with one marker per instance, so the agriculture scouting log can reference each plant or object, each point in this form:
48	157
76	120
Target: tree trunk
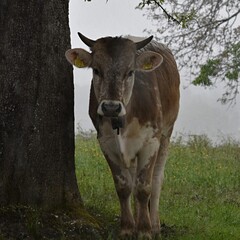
36	105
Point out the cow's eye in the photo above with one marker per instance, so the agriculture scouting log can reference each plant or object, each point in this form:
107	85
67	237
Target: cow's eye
95	71
130	73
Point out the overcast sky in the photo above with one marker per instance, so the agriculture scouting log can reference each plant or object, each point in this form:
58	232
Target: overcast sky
200	113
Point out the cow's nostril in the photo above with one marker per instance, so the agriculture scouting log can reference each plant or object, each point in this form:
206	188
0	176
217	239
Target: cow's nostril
111	109
104	109
119	108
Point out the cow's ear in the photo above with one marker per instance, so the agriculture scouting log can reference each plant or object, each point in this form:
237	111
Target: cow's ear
79	57
148	61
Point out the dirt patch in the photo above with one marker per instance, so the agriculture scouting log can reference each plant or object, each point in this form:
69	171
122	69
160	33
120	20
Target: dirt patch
172	231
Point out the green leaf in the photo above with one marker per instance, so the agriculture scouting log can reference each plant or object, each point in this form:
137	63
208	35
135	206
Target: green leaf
210	69
232	75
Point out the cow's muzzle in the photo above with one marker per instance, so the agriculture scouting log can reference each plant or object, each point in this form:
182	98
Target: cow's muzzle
109	108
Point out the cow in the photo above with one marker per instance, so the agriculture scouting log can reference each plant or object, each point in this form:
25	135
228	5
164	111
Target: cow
134	102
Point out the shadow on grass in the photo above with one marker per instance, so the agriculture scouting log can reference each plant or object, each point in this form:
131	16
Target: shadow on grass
110	225
21	222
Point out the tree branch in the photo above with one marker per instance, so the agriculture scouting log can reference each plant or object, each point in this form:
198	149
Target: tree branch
166	13
227	19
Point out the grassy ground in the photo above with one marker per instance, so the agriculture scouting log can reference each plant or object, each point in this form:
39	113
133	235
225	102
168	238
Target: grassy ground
200	197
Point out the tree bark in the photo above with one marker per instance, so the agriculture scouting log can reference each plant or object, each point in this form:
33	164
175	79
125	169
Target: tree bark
36	105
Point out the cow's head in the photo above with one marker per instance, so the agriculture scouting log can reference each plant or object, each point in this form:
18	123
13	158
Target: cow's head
114	62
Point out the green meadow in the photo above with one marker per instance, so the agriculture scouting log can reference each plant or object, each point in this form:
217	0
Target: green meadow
200	197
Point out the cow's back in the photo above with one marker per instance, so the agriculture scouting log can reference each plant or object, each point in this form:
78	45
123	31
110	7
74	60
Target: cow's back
168	81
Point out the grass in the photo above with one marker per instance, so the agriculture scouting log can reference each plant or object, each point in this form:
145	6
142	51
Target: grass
200	197
95	181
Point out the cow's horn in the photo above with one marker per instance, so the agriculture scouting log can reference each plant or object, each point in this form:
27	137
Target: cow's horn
87	41
143	43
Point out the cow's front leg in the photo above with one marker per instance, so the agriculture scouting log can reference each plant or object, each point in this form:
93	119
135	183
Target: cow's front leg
123	184
146	161
122	180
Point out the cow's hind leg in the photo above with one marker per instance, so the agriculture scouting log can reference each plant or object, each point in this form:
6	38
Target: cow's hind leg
157	181
146	161
123	184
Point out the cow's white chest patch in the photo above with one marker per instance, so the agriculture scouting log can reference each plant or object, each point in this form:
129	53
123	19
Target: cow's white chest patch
133	139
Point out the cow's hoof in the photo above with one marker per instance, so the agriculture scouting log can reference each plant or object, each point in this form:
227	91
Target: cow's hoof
126	234
156	230
144	236
156	236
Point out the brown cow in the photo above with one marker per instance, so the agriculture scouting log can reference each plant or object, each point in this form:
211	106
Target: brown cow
134	103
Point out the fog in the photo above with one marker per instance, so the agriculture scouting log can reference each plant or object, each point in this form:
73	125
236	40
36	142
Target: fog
200	113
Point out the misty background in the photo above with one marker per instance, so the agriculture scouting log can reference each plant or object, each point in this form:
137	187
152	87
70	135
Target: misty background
200	113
